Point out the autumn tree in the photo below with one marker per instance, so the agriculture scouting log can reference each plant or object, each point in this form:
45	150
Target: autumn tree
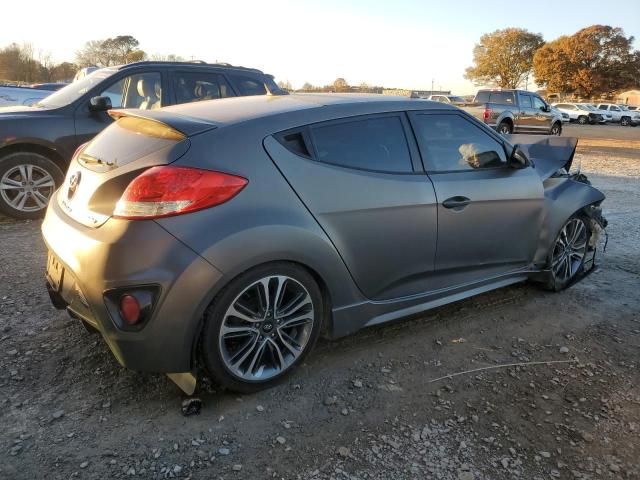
340	85
112	51
595	60
504	58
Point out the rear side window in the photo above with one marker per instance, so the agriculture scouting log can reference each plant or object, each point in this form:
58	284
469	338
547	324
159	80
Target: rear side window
525	101
373	143
199	86
450	143
247	86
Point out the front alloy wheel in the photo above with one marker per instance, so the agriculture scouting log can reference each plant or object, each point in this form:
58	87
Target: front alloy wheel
624	121
556	129
264	329
570	248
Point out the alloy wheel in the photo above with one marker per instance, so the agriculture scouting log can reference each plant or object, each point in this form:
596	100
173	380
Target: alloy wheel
27	188
266	328
569	251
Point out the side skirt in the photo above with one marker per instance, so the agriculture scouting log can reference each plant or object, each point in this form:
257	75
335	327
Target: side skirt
347	320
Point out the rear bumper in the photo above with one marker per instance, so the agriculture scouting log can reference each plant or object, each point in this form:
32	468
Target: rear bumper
125	254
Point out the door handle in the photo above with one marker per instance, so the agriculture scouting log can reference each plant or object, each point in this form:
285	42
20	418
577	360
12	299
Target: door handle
456	203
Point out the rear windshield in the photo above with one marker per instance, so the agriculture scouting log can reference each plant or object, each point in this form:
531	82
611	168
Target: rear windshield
126	140
501	98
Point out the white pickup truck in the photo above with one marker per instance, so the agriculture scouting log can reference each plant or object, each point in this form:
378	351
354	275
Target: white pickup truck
10	96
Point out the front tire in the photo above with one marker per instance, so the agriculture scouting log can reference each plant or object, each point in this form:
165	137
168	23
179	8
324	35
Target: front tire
567	255
27	182
262	326
556	129
625	121
582	120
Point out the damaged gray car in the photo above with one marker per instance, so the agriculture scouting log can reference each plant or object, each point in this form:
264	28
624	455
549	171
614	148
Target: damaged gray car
227	236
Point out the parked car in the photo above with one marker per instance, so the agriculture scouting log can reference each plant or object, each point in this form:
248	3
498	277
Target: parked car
605	115
580	113
564	116
36	143
619	114
515	111
451	99
234	232
632	108
21	95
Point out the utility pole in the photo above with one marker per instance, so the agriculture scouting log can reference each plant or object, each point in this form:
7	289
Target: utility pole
432	86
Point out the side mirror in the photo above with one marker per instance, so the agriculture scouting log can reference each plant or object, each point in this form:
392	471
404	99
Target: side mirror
99	104
545	108
518	159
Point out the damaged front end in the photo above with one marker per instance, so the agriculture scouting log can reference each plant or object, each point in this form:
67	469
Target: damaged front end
567	192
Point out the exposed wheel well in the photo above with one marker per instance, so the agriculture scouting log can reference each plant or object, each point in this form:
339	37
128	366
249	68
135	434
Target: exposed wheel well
34	148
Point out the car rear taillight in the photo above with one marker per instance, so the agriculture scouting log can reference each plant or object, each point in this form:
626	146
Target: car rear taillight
167	190
486	114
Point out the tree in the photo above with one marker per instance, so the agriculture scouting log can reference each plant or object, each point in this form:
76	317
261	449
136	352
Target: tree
172	57
307	87
340	85
112	51
504	58
63	72
595	60
285	85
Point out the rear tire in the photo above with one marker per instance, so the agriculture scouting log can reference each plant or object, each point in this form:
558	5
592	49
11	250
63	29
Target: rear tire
582	120
27	182
625	121
568	252
261	326
504	128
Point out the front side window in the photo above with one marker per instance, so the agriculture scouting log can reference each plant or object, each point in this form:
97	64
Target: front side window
142	90
452	143
614	108
247	86
199	86
602	107
539	104
374	143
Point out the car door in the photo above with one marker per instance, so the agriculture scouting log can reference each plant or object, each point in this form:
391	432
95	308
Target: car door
361	179
542	115
489	214
140	89
526	118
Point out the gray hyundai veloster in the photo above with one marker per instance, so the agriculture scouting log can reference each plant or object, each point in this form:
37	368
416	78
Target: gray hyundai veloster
230	234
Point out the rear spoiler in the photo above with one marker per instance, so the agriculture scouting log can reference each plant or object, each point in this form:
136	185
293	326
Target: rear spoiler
182	124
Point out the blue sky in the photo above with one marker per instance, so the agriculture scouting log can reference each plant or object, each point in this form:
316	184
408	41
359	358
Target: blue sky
401	43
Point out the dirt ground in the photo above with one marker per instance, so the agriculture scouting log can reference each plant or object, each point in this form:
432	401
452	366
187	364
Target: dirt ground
371	406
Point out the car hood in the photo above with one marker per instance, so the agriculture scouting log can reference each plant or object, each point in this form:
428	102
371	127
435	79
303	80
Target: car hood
548	153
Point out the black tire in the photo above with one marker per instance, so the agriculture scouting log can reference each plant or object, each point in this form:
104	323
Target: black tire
211	343
556	129
557	282
582	120
14	188
625	121
504	128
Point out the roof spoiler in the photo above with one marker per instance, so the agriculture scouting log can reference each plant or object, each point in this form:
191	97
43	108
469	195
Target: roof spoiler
182	124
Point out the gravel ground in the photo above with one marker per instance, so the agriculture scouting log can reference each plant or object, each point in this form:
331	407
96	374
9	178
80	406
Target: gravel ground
371	406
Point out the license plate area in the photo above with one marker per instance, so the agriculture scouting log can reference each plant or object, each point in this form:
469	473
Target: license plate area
55	272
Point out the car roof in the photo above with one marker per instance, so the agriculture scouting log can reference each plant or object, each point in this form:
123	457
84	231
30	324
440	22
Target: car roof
196	64
239	109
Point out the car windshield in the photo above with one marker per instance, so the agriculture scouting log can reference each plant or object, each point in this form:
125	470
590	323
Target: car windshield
457	99
583	107
75	90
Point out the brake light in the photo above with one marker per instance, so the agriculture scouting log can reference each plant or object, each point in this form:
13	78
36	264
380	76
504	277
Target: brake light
130	309
486	114
167	190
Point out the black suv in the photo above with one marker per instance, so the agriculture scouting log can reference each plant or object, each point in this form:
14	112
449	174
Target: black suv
37	143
